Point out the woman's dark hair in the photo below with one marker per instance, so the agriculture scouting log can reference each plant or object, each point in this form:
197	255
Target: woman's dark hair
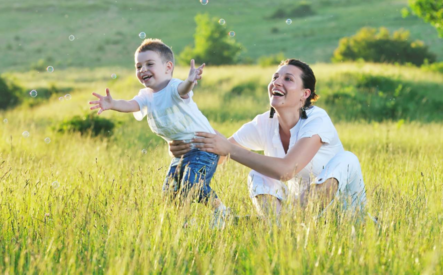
308	79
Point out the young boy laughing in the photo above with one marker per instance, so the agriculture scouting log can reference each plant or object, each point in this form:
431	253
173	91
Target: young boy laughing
173	115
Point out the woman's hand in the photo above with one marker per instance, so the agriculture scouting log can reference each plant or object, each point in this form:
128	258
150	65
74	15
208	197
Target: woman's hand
178	148
213	143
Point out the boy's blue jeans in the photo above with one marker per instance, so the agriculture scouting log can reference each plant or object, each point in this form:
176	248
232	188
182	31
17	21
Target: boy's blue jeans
192	173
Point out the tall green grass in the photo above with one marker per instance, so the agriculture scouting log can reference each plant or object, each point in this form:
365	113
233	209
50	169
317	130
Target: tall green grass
106	215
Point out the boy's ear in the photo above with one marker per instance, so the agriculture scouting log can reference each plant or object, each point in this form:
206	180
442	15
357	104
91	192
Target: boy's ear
169	67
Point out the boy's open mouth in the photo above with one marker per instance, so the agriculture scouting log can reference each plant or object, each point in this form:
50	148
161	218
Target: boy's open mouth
146	77
277	93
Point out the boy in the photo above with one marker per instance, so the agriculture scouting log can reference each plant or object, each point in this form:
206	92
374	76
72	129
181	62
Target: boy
173	115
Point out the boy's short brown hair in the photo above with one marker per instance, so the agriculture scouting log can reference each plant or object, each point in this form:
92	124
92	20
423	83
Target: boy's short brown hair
157	46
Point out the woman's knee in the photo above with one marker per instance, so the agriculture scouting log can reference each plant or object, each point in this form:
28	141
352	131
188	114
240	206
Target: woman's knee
328	187
324	193
266	204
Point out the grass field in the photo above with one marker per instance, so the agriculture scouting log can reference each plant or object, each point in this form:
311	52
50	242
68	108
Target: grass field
106	32
78	204
88	205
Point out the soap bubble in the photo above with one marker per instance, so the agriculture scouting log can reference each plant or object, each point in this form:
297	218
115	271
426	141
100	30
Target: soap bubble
47	140
231	33
25	134
50	69
142	35
144	151
222	21
61	98
71	37
113	76
5	120
204	2
55	184
68	97
288	21
33	93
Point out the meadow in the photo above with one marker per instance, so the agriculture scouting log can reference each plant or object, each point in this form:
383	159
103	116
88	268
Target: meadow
93	205
73	203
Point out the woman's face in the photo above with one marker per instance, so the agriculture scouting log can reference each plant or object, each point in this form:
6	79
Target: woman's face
286	89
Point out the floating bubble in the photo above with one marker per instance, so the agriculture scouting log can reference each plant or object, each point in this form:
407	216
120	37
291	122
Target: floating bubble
50	69
67	96
71	37
288	21
113	76
55	184
5	120
204	2
25	134
47	140
144	151
222	21
231	33
142	35
61	98
33	93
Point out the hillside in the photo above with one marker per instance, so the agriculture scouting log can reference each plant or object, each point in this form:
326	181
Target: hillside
106	32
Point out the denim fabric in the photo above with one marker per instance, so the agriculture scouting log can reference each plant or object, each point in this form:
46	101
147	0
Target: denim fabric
194	172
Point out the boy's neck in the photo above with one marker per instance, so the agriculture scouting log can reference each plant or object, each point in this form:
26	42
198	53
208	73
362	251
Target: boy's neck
161	85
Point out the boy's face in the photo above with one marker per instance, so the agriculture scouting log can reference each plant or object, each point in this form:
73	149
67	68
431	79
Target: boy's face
152	71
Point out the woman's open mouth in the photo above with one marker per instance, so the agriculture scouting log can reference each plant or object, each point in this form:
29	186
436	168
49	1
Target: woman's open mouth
277	93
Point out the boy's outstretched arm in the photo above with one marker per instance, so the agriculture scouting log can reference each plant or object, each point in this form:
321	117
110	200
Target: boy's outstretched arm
194	74
108	103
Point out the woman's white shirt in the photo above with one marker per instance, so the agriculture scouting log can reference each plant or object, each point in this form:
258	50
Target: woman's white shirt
262	134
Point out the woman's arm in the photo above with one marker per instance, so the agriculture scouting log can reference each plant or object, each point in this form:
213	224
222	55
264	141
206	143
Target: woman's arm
178	148
234	142
279	168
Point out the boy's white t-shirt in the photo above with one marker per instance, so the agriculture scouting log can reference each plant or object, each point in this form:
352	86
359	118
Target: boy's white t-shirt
262	134
170	116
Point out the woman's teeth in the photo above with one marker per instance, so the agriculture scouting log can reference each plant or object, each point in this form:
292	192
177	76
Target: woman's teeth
277	93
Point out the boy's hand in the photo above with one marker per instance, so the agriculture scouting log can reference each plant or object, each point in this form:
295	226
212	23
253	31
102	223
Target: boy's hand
195	74
104	102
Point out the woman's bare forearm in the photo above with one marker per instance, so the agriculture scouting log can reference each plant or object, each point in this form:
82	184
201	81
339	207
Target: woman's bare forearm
285	168
279	168
276	168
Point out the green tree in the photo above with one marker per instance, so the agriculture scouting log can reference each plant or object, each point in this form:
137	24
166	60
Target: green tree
431	11
369	45
212	46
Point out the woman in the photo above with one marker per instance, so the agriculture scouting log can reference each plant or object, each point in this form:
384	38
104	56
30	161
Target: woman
300	144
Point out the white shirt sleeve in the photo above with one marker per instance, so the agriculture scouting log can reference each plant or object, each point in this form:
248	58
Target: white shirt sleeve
249	135
141	99
318	125
173	90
